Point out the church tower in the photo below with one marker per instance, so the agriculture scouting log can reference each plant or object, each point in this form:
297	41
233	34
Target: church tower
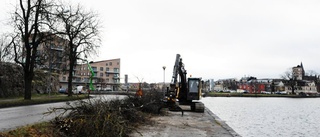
298	72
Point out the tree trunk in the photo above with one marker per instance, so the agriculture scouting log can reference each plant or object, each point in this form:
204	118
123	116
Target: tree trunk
28	84
292	89
72	59
70	78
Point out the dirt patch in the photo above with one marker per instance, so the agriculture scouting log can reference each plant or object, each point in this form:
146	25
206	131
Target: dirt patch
173	124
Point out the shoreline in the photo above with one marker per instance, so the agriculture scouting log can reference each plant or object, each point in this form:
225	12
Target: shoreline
222	123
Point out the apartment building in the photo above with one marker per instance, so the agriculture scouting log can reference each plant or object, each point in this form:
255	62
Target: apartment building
106	75
51	55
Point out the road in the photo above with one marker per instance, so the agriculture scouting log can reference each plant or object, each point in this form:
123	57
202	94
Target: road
11	118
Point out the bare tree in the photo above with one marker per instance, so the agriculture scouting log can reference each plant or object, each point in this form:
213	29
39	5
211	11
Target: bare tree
6	51
312	73
30	30
81	29
292	81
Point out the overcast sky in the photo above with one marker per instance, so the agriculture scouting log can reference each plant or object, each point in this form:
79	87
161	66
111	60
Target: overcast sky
217	39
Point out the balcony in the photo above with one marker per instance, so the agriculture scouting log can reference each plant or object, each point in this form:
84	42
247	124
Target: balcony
112	72
112	83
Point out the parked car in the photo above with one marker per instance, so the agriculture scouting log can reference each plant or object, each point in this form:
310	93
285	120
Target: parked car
63	90
281	92
78	90
108	89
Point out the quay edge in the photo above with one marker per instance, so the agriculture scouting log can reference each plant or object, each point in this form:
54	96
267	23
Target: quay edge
222	123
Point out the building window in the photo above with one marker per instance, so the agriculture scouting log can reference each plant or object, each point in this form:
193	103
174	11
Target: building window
107	69
106	64
118	63
101	74
110	63
115	69
116	81
101	68
107	74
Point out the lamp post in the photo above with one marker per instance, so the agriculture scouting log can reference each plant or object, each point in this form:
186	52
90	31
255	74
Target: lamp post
164	77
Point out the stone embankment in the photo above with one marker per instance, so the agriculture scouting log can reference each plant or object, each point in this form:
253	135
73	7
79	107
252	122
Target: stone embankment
191	124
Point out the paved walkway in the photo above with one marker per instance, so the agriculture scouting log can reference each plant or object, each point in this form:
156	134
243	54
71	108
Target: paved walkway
192	124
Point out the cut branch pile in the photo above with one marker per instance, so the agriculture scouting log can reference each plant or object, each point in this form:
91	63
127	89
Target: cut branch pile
106	118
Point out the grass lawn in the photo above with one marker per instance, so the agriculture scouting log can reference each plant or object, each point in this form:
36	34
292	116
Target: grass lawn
44	129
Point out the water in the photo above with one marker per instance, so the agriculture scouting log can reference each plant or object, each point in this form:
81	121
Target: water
268	117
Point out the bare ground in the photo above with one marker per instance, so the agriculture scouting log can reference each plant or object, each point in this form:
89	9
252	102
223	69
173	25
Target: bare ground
191	124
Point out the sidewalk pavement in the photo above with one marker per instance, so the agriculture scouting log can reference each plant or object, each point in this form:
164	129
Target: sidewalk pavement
192	124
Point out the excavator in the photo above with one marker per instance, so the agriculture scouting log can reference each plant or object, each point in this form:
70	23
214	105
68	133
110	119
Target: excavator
183	90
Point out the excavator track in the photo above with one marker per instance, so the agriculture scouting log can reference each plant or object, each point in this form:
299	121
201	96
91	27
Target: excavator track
197	107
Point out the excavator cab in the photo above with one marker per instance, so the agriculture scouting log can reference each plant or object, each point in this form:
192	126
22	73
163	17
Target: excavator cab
194	86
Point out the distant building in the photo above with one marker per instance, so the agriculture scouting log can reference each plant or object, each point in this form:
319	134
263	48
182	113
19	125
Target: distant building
301	82
106	75
298	72
254	85
51	56
225	84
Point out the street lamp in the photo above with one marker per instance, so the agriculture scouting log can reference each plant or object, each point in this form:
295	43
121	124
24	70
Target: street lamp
164	76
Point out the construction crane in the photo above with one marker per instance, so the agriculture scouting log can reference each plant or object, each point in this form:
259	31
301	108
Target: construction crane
183	90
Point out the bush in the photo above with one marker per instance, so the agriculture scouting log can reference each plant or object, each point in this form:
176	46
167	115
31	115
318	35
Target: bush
11	80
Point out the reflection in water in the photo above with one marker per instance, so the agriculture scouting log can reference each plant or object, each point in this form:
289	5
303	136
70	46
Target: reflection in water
268	117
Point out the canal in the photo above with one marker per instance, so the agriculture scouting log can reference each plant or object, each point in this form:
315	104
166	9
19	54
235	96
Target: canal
268	117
